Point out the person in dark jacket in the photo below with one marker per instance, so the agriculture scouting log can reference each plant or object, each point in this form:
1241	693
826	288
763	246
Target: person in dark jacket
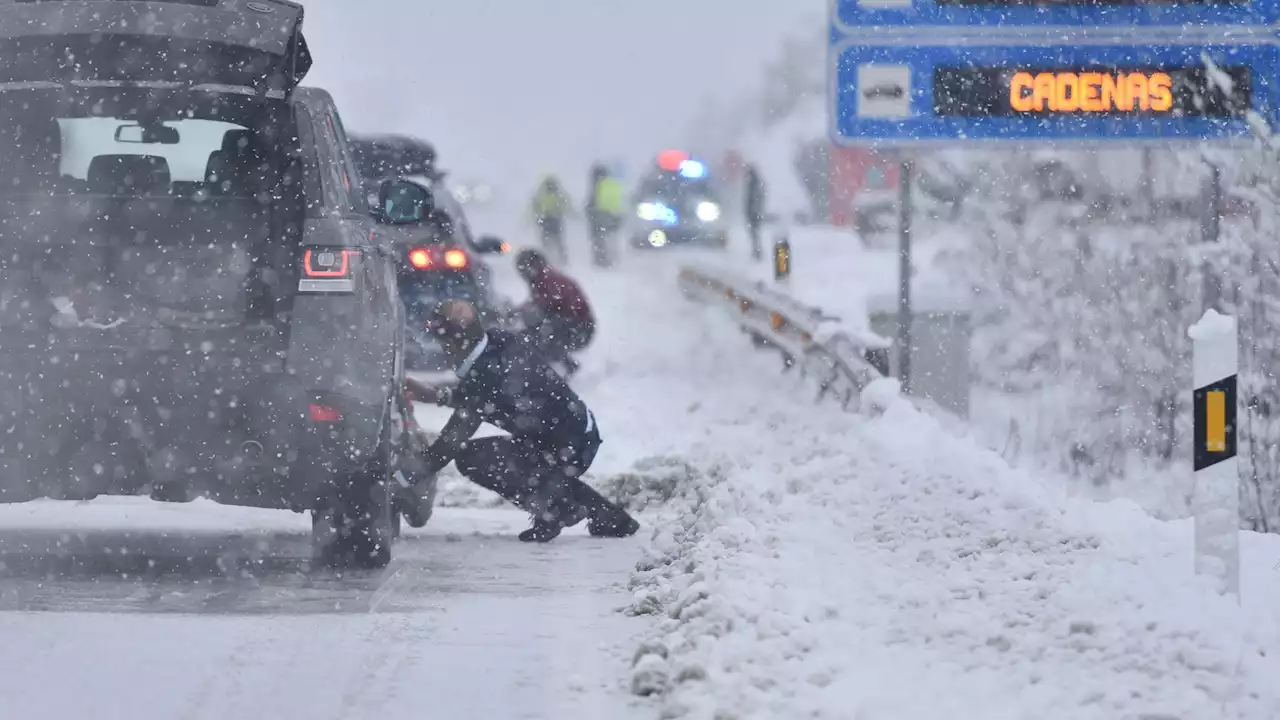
504	381
558	316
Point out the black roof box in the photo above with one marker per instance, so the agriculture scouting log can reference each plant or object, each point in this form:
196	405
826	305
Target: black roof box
255	44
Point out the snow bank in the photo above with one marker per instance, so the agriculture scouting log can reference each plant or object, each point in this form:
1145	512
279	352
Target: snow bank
867	568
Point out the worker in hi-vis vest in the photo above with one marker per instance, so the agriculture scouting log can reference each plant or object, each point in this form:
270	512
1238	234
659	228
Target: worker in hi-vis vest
550	206
606	208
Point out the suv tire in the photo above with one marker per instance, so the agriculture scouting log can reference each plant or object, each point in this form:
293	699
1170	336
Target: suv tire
355	527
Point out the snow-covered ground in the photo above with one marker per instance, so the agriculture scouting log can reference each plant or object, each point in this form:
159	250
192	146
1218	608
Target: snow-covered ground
858	568
821	564
808	563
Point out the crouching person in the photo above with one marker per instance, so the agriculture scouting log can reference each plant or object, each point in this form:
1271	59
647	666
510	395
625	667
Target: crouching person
559	317
504	380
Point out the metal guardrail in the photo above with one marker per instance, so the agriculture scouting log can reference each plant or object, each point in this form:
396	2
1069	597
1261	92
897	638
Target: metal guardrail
842	364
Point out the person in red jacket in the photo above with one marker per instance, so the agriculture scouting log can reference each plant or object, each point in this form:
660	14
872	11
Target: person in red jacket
558	316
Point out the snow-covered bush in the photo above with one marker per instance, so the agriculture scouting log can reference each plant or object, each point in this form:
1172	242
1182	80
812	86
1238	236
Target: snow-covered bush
1082	301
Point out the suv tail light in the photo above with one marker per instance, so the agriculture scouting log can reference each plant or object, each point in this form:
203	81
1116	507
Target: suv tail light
325	414
439	258
328	270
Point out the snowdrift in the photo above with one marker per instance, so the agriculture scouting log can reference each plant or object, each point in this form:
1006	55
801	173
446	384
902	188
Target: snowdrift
821	564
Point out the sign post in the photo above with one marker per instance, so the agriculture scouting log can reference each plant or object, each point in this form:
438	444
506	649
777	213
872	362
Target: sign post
905	212
1216	498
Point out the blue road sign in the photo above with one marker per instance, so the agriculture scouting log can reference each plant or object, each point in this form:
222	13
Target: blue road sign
851	16
919	94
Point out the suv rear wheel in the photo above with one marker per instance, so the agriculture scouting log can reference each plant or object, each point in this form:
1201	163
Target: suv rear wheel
355	527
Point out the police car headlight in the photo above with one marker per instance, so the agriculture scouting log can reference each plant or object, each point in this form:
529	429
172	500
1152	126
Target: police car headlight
708	212
647	211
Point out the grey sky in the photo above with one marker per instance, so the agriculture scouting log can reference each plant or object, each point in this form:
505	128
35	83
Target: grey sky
509	89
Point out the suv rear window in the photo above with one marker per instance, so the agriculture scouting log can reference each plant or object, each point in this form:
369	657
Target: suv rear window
137	143
84	139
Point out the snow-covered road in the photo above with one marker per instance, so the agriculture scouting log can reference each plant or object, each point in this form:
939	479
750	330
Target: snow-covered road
466	623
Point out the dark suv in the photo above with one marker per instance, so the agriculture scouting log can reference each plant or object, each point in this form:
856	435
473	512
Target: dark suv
194	299
386	156
438	258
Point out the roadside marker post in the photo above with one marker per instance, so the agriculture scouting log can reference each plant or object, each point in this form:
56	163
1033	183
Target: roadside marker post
781	259
1216	497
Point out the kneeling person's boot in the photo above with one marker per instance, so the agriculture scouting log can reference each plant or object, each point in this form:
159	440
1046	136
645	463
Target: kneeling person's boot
607	519
554	507
615	523
548	525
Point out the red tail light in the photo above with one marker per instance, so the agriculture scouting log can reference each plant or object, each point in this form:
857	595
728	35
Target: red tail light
456	259
325	414
327	263
420	259
328	271
439	258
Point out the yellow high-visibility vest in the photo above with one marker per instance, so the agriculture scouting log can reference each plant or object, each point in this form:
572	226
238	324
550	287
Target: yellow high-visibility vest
547	203
610	196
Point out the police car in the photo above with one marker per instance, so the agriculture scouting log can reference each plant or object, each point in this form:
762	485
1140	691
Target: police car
677	204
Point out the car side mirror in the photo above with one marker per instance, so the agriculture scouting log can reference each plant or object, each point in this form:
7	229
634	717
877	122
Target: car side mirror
403	202
491	245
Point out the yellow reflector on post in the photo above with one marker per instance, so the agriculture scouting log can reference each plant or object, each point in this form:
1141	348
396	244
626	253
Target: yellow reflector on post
1215	421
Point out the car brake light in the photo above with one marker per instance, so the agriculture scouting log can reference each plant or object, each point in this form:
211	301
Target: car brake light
455	259
327	263
324	414
420	259
434	258
328	271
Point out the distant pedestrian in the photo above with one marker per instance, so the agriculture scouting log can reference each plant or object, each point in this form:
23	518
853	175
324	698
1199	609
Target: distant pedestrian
606	208
550	206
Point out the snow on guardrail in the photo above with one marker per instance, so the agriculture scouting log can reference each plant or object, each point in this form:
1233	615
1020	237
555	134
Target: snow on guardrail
838	355
807	338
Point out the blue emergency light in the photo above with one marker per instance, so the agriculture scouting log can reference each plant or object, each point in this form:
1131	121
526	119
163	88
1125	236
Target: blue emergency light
692	169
